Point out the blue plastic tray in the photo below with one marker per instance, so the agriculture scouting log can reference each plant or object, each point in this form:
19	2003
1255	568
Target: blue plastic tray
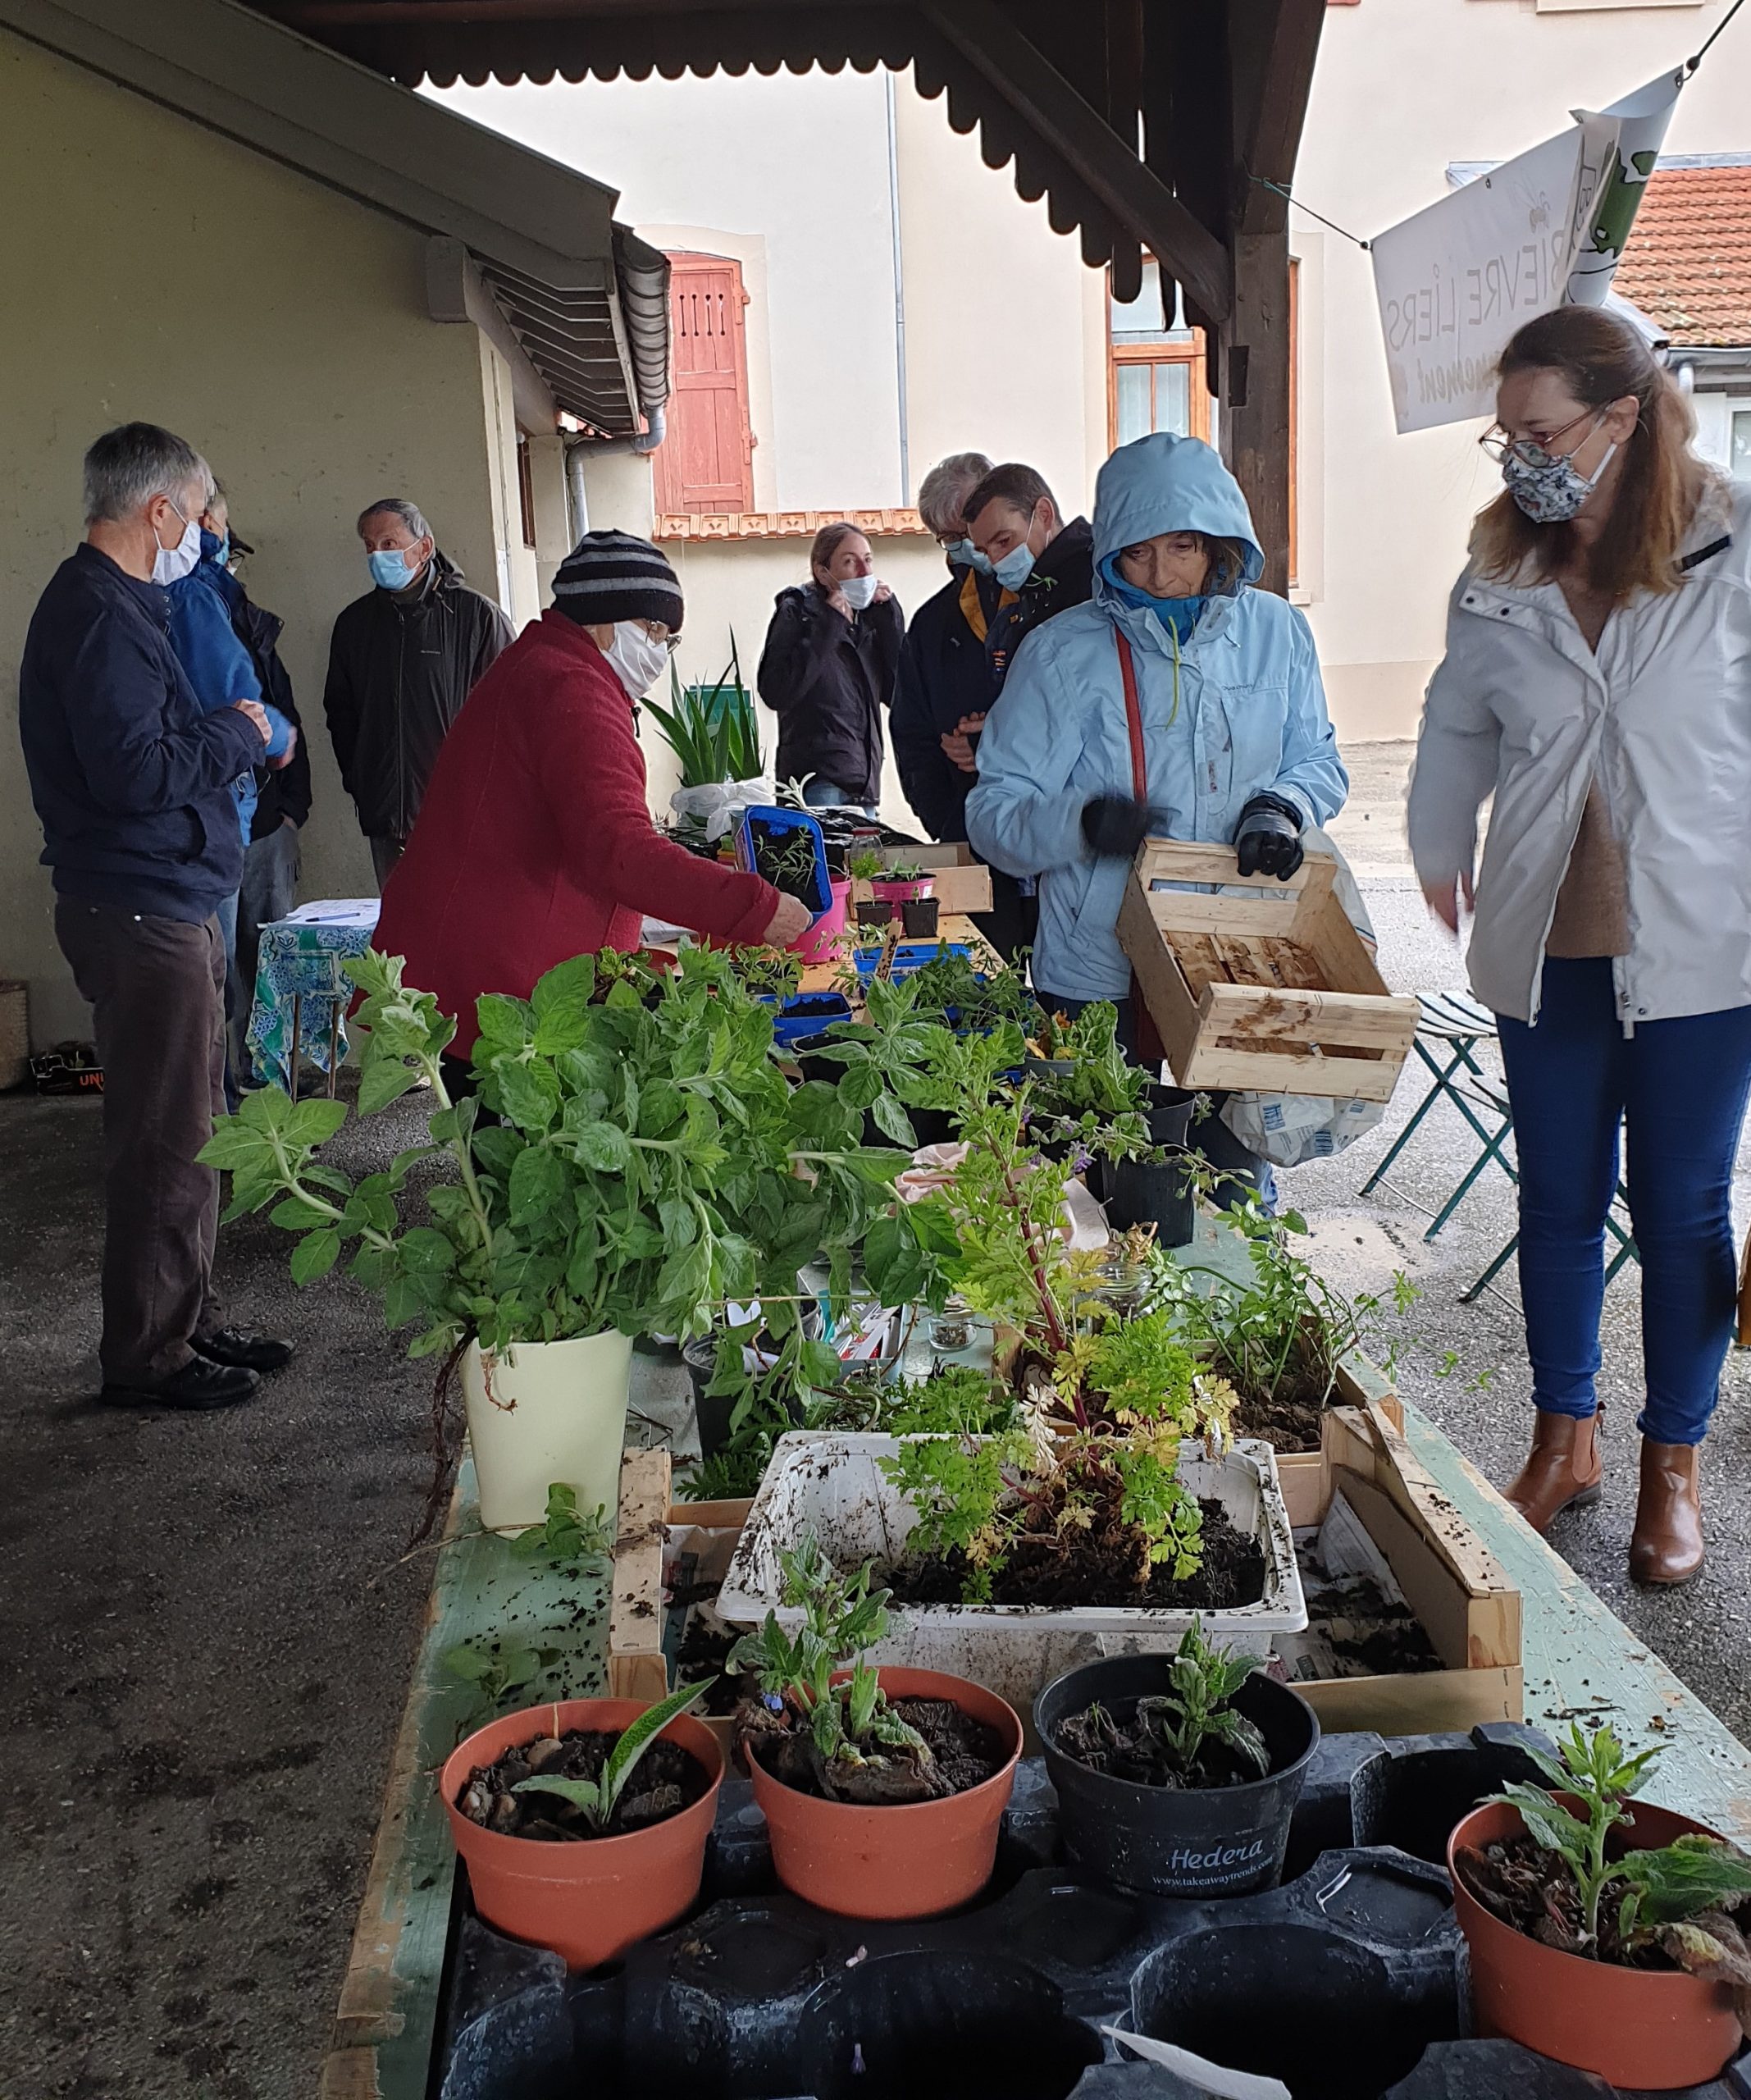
778	822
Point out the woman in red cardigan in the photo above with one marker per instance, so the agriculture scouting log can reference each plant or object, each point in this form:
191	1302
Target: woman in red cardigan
533	842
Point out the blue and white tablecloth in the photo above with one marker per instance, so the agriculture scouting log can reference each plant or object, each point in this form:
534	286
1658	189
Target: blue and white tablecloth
300	959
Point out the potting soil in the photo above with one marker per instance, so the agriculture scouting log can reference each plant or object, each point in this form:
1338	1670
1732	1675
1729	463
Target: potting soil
1533	1890
963	1754
1291	1418
666	1779
1120	1742
1101	1565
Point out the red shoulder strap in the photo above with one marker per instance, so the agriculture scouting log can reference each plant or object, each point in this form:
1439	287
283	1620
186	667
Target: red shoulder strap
1134	717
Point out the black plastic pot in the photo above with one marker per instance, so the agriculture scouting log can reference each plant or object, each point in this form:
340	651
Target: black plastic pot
1192	1842
919	914
700	1357
1138	1194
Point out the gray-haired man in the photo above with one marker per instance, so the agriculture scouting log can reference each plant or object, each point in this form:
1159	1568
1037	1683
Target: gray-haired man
401	663
133	783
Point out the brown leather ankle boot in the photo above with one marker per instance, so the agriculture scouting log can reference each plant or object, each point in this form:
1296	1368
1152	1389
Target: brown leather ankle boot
1563	1470
1666	1546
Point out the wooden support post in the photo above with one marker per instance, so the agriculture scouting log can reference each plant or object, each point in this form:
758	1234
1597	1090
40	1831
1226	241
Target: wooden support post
1255	431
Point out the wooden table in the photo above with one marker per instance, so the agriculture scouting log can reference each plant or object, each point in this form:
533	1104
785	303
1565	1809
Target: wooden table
1581	1662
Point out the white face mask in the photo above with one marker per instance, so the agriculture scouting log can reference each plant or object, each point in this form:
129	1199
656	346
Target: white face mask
638	661
858	591
171	564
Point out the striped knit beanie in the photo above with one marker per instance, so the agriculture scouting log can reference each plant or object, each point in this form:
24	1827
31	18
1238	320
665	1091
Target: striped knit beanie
613	576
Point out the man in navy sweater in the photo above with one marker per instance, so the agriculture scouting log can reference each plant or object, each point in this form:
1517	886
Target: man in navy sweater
132	782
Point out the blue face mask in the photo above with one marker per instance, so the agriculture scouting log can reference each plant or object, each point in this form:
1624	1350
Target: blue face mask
216	546
962	554
1015	568
390	570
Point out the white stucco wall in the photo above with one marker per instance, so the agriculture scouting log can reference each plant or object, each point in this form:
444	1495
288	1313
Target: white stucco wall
1403	87
176	277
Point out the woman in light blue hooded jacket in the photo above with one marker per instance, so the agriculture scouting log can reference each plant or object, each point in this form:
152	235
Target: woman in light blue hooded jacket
1237	746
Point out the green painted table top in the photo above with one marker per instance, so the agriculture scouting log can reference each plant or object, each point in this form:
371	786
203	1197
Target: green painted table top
1579	1661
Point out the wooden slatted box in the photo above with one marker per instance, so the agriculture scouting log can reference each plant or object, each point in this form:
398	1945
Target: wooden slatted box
958	882
1268	988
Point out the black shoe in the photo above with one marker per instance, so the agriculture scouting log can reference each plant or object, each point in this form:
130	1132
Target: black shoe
245	1352
198	1386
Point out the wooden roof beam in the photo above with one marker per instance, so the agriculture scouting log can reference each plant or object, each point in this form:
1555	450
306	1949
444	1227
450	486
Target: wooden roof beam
1065	120
1272	45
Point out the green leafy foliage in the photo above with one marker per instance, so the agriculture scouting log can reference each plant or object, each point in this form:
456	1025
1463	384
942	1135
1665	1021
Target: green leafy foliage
1087	1088
596	1799
850	1722
1167	1516
498	1668
712	729
976	997
1660	1887
954	1484
568	1536
1143	1373
1197	1708
644	1170
955	1400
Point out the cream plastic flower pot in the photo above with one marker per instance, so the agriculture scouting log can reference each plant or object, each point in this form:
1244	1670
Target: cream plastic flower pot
541	1411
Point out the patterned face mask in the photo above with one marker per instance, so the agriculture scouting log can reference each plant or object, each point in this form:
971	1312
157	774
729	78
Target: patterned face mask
1550	490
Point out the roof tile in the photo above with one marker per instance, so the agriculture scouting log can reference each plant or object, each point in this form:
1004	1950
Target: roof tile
1688	262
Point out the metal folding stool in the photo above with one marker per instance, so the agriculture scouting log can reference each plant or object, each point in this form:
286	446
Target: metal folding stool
1447	1034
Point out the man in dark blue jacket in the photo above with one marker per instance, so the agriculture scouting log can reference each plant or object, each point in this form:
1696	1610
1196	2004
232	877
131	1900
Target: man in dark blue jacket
959	646
132	782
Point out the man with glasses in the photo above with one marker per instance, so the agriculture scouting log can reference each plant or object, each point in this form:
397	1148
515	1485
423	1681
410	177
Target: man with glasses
535	841
132	778
961	642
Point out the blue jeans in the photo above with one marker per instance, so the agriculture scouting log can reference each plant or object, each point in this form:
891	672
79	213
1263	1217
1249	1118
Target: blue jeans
819	794
1680	1087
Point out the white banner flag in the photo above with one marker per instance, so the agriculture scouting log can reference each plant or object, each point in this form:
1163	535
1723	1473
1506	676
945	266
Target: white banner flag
1456	281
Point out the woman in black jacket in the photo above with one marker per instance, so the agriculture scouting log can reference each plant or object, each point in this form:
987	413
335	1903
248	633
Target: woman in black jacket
827	671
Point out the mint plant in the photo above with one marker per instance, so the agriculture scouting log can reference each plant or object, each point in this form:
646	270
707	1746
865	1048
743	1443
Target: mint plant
651	1161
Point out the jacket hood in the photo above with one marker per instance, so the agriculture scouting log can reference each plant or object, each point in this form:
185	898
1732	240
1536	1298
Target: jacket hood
1167	484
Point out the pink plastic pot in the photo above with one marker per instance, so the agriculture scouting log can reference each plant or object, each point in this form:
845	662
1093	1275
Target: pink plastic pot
818	944
899	893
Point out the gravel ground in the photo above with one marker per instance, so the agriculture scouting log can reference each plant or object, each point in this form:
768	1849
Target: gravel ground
210	1639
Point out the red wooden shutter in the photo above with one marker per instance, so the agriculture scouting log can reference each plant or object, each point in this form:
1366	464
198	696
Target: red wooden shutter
706	461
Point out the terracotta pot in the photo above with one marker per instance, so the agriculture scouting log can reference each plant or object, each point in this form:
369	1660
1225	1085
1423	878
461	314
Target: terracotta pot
1657	2031
590	1900
910	1861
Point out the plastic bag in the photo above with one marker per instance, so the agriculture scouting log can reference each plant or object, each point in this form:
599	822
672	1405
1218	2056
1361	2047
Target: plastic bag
720	803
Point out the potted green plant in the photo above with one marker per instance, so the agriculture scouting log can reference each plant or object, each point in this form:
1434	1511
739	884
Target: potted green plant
644	1170
1609	1936
1176	1775
883	1790
712	729
583	1825
900	881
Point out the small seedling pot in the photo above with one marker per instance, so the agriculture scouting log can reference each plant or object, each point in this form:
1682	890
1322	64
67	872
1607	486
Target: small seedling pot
888	888
909	1861
920	915
1190	1841
816	945
1645	2029
876	911
591	1899
1139	1193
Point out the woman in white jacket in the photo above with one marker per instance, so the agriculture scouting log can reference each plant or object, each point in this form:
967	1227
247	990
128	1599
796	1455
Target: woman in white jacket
1597	683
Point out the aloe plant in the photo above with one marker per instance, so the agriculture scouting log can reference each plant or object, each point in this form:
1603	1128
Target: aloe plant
711	728
596	1799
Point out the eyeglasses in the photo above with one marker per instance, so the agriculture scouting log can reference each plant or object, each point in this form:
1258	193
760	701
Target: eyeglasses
670	642
1501	444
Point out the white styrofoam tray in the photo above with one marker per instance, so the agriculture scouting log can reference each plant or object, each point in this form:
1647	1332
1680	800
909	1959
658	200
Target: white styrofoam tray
833	1486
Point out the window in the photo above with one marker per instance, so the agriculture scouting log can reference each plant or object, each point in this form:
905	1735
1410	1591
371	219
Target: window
525	487
1155	377
1739	458
706	461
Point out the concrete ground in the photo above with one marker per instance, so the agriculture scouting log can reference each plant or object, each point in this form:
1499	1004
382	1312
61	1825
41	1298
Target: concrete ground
208	1639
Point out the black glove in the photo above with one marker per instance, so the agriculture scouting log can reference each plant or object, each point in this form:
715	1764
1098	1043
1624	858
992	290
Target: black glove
1268	840
1114	826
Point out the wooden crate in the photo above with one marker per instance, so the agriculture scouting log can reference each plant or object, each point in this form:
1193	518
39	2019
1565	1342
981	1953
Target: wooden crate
958	882
726	1516
1469	1608
636	1666
1305	1490
1273	991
